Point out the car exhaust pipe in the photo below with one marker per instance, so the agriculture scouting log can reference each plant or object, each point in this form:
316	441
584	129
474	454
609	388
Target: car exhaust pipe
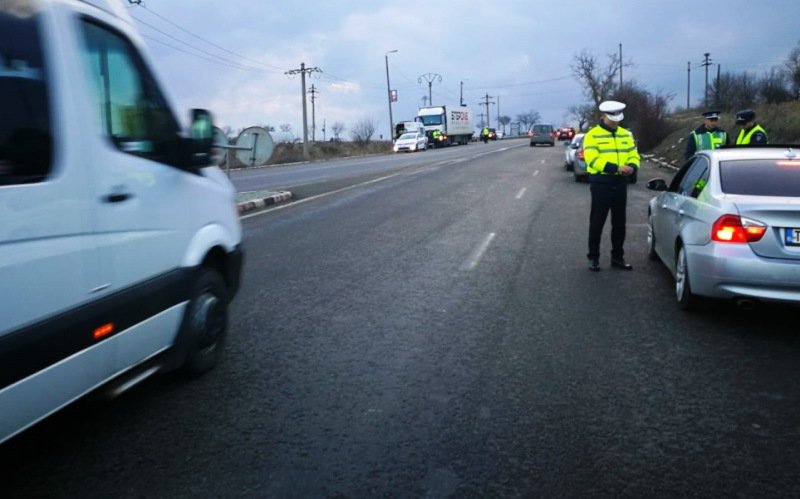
746	304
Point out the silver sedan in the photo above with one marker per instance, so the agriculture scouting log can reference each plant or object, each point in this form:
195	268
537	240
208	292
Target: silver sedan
728	226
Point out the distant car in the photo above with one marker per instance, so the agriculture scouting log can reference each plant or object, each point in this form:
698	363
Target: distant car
570	150
492	134
500	135
728	226
411	142
565	133
541	134
579	172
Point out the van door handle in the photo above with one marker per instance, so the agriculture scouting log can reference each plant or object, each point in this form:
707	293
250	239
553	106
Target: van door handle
117	197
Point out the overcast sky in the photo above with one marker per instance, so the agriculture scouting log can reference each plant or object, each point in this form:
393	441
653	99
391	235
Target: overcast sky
231	56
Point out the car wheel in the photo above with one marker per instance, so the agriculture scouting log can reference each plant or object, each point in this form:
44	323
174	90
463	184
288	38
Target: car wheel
205	323
651	239
683	289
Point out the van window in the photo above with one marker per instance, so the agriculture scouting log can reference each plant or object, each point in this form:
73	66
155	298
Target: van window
542	128
25	128
132	109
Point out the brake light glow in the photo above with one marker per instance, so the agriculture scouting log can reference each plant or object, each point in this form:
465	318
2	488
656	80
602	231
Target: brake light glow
579	154
103	331
736	229
790	163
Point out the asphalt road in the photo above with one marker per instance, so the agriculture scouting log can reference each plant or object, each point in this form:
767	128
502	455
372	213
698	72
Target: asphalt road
435	332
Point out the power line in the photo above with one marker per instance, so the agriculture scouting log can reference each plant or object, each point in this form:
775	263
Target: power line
151	11
215	61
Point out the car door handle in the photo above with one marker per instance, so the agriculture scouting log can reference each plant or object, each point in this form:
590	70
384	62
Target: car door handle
117	197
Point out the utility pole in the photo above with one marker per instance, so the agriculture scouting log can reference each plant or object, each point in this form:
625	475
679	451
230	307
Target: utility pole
688	82
313	93
486	103
389	93
461	95
303	71
706	62
716	86
430	77
620	66
498	113
323	130
424	100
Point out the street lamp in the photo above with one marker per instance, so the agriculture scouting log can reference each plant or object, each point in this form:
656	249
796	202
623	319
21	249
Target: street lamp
389	94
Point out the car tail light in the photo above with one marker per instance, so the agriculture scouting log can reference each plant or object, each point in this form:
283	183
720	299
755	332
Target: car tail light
736	229
579	154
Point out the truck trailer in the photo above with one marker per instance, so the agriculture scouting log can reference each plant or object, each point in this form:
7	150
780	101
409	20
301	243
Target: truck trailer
446	125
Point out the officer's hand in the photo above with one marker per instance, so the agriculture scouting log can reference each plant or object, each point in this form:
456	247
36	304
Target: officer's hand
626	170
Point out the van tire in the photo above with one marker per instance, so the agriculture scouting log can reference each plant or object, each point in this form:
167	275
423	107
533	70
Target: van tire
205	324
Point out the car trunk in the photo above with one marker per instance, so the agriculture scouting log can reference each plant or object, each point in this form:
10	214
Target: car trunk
782	217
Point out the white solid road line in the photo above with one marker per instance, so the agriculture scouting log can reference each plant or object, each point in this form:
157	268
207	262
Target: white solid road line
536	173
476	255
521	192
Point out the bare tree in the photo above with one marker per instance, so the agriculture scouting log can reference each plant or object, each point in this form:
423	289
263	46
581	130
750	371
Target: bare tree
583	114
337	128
773	87
286	128
598	82
734	91
504	120
529	118
645	114
792	66
268	128
363	131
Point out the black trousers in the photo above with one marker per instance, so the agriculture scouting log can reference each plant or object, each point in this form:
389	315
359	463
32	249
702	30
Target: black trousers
608	197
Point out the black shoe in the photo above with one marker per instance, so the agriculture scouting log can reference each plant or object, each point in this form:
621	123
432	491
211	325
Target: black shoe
594	265
620	263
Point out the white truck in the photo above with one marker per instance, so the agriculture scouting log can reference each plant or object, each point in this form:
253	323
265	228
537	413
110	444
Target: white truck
446	125
120	243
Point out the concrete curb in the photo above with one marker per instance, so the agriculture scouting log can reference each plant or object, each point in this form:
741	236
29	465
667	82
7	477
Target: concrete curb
660	162
263	202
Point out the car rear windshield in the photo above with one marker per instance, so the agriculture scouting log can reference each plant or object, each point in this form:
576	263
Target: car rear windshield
25	136
542	128
762	177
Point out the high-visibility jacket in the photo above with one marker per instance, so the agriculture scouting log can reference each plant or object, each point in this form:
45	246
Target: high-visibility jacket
709	140
745	137
606	150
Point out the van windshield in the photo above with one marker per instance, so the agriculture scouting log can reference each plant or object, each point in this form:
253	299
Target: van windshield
25	134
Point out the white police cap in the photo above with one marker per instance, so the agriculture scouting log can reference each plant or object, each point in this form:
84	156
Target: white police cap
612	109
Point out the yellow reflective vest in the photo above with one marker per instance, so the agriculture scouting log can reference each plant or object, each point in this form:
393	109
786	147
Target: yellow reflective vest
602	147
744	137
711	139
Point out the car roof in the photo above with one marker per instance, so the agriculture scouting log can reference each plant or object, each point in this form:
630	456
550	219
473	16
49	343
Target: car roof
776	151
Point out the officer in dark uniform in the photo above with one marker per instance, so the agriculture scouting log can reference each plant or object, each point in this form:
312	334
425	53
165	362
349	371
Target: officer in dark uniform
751	132
707	136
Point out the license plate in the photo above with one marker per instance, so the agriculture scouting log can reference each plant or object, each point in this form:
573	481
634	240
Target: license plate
792	237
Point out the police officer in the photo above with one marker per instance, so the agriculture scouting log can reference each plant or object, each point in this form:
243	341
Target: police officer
611	158
485	135
751	132
707	136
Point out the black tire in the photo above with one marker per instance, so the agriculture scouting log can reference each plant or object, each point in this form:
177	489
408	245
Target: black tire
683	288
205	323
651	240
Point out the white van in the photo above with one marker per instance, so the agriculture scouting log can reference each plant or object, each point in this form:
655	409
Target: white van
120	248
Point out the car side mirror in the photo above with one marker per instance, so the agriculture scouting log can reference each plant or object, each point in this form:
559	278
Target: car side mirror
657	184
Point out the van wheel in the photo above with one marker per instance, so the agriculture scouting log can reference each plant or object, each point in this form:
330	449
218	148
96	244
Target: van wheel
205	324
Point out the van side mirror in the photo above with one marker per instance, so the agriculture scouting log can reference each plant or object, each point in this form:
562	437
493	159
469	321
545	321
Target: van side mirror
201	139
